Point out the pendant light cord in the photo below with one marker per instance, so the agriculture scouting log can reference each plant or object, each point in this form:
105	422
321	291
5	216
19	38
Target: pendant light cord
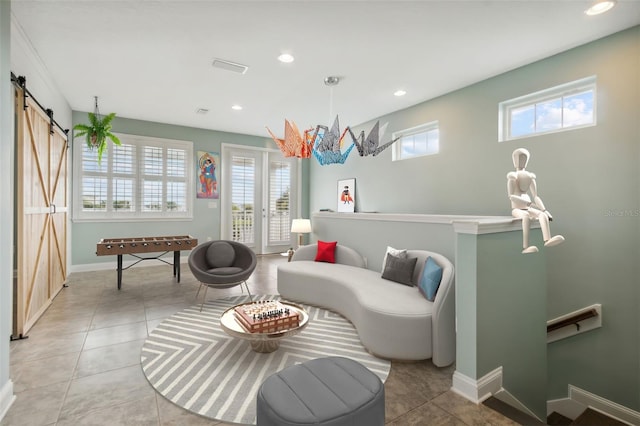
97	111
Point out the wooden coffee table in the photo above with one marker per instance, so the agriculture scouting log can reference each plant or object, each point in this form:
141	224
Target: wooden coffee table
262	342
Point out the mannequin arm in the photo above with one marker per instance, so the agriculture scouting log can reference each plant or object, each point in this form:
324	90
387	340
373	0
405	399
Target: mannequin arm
536	198
517	201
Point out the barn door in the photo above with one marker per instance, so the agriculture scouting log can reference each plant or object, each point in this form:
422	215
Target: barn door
41	216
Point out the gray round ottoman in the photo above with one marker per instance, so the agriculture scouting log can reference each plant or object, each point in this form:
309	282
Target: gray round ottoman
332	391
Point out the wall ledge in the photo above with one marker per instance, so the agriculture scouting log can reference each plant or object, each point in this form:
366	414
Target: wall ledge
462	224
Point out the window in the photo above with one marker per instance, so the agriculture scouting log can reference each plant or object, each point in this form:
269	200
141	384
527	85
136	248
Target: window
417	141
144	178
243	177
279	208
565	107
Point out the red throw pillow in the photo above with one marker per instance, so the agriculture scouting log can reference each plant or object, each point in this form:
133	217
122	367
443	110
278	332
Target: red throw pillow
326	252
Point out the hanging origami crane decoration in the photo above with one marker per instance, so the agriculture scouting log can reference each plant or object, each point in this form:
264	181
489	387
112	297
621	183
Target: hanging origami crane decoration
370	145
294	144
327	144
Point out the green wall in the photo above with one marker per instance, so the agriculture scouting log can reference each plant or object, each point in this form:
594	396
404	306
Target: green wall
588	178
511	326
466	261
6	207
206	221
501	313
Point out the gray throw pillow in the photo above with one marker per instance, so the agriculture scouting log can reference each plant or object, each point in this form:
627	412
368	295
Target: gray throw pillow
399	269
402	253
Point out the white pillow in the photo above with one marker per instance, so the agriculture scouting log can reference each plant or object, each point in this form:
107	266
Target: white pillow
401	253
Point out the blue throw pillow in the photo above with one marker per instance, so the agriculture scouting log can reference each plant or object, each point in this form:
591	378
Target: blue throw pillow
430	280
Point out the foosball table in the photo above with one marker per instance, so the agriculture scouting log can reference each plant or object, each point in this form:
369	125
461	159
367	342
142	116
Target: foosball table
134	246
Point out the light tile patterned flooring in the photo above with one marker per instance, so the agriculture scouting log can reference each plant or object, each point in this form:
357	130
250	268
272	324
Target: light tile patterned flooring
81	362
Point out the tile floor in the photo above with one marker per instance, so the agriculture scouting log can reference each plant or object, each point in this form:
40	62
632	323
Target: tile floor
81	362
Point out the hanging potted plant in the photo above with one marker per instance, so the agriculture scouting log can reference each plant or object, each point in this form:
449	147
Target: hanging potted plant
98	131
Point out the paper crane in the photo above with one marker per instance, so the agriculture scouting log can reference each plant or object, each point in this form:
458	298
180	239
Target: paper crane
327	144
294	144
369	146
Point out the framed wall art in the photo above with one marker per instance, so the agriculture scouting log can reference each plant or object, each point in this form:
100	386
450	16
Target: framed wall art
207	180
346	195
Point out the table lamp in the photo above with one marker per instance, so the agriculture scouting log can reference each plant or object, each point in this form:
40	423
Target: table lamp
300	226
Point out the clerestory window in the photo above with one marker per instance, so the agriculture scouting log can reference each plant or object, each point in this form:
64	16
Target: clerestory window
565	107
417	141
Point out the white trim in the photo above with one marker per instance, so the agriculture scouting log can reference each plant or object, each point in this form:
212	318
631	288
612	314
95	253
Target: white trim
490	226
6	398
419	218
479	390
604	406
462	224
579	400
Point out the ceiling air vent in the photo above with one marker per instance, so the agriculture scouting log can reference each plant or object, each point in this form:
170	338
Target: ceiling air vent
230	66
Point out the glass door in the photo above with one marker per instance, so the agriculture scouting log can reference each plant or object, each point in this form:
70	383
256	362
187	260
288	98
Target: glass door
261	198
277	216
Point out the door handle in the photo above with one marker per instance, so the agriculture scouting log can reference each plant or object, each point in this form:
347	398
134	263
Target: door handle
52	209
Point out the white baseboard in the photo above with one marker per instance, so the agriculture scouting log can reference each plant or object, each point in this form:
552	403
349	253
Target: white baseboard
6	398
609	408
477	391
579	400
103	266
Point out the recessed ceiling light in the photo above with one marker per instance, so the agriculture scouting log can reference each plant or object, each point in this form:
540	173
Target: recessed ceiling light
600	7
399	93
236	107
286	58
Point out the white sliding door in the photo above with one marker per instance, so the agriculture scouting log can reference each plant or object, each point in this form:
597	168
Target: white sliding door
259	198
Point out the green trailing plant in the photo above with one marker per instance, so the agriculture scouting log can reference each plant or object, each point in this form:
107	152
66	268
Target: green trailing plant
97	132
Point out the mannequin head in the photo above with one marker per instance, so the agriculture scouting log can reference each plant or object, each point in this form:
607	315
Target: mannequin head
520	158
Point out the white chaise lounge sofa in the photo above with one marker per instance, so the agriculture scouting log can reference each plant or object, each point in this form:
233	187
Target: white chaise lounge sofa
393	320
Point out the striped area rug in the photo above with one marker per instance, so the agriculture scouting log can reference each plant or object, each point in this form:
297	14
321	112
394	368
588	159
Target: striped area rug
193	363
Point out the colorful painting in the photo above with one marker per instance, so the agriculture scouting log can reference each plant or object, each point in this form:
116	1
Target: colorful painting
207	182
346	195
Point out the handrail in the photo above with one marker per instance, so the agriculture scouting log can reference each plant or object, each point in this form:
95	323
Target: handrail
572	320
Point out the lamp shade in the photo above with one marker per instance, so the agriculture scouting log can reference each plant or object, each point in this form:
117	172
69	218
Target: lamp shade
301	226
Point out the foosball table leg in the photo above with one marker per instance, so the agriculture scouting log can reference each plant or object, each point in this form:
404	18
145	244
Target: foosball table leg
119	271
176	265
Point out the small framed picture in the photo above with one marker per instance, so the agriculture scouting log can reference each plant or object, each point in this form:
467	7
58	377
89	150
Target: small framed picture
347	195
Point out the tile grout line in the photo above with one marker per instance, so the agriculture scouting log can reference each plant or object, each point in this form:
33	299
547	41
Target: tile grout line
73	372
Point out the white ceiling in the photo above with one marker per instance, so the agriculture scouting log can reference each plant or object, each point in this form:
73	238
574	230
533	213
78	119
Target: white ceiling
151	60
